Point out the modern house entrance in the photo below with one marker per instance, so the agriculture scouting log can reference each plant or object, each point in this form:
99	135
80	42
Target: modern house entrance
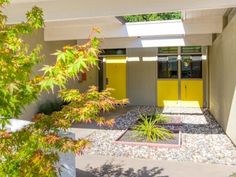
178	72
155	71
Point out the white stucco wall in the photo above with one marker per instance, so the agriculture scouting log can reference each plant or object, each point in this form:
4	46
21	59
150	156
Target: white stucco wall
48	49
141	76
222	77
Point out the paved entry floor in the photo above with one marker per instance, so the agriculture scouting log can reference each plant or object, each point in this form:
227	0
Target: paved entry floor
105	166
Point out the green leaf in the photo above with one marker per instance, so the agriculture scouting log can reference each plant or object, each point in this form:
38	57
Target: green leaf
4	122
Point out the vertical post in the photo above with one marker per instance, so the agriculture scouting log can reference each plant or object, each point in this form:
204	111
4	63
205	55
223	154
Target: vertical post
179	76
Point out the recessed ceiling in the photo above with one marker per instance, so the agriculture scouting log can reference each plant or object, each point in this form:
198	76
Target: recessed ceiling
204	13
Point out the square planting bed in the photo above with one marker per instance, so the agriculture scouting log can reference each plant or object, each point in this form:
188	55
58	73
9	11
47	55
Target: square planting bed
129	137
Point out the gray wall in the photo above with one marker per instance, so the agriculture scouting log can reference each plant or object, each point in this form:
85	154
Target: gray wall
141	77
222	78
48	49
205	77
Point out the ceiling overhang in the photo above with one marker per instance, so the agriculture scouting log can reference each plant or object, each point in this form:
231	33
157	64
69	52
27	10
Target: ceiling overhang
74	19
58	10
117	30
147	42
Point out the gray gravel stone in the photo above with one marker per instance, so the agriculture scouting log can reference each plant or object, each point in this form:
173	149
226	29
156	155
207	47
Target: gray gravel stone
203	140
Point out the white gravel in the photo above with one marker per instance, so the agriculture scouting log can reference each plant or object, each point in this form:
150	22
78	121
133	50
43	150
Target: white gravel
203	140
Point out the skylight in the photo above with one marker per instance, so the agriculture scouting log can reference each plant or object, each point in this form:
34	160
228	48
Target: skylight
153	17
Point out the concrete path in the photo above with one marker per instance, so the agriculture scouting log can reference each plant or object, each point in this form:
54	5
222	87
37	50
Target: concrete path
101	166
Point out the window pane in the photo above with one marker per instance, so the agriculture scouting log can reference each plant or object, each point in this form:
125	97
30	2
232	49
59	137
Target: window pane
168	50
191	49
167	67
173	67
191	67
113	52
163	69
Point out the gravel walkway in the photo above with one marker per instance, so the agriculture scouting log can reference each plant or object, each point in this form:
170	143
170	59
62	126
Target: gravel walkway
203	140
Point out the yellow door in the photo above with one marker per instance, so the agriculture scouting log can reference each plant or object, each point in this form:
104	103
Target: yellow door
167	93
191	93
116	76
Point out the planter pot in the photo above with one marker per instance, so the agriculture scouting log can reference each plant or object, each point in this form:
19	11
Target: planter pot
67	160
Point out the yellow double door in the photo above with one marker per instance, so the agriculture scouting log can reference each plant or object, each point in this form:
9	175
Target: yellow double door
180	93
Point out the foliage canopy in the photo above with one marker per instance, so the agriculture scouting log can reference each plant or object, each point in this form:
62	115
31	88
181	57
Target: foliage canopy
33	150
153	17
148	127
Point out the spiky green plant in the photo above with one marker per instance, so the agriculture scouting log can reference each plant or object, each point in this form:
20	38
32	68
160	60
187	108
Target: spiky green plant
159	118
148	128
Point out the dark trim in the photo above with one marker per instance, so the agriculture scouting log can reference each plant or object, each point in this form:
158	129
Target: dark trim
113	52
100	75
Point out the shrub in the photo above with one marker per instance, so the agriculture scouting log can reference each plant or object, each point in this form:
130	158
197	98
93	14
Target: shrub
33	151
50	106
159	118
148	128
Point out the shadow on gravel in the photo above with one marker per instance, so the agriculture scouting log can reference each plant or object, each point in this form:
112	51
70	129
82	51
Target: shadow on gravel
111	170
